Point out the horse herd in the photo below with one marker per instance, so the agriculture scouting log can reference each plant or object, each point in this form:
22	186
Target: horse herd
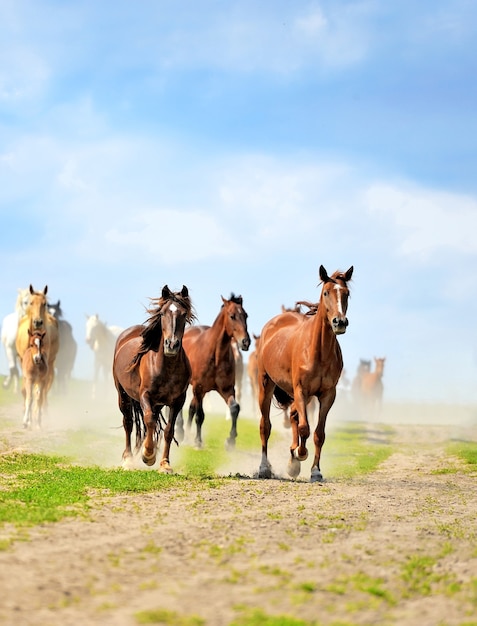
297	360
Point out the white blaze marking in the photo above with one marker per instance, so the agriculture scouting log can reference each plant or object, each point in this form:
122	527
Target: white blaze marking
173	308
340	308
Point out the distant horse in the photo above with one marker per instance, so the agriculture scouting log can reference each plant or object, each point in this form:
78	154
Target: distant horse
65	359
299	357
210	353
151	370
35	377
252	371
38	318
364	367
371	390
9	337
101	339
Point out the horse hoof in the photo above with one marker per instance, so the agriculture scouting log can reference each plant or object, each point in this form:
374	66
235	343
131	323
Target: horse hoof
316	476
230	444
148	460
165	468
265	472
294	468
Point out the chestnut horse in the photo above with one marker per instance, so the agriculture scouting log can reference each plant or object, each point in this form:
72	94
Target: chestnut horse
37	317
35	377
211	356
150	371
299	357
371	388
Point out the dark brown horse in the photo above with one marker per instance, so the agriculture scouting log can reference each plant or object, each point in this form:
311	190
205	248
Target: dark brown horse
151	370
211	356
299	357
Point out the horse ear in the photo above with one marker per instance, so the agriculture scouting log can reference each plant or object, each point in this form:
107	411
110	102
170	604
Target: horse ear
32	291
349	273
184	292
45	290
166	292
323	274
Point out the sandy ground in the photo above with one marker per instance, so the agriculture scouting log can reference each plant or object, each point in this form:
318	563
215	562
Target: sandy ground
398	546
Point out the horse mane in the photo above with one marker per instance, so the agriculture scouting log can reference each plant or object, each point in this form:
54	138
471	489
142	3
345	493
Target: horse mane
312	306
235	299
152	328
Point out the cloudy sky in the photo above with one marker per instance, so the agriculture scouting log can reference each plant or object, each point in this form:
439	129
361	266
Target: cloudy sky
236	146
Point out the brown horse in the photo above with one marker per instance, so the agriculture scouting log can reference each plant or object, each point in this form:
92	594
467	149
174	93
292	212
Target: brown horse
35	377
37	317
371	388
209	349
300	357
150	371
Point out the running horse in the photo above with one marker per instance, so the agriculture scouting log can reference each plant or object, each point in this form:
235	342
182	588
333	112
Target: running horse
299	357
35	377
66	356
151	371
9	336
101	338
211	356
37	317
371	388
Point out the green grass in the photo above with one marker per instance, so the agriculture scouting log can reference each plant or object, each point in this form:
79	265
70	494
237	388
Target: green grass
257	617
466	451
167	618
352	450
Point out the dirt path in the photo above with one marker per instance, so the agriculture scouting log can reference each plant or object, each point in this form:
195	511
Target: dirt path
396	547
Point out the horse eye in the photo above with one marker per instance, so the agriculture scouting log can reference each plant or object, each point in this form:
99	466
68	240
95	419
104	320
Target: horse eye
325	293
233	316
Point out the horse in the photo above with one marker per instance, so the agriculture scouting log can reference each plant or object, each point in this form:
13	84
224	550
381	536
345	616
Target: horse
211	356
299	357
66	356
9	337
38	318
35	377
101	339
371	388
150	371
363	368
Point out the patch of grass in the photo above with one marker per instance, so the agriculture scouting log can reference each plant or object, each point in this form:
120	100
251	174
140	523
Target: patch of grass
47	488
466	451
167	618
257	617
351	450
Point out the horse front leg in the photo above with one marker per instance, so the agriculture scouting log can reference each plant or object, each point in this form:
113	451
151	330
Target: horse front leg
326	402
196	408
149	447
125	406
27	392
234	410
174	411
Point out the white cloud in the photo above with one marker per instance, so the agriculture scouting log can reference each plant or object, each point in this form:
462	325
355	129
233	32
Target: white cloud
426	221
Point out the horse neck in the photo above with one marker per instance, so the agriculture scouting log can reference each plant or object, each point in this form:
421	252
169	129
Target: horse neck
219	337
323	340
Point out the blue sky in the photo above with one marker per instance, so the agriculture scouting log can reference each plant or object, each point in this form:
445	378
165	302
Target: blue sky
236	146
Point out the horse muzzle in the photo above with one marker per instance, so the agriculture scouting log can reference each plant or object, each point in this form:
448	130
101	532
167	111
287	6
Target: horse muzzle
171	346
244	344
37	323
339	325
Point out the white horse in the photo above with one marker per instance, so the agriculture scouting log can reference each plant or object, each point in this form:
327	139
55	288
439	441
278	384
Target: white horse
102	340
9	336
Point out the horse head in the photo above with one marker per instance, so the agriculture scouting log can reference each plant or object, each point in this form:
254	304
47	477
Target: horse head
334	296
36	339
55	310
236	321
37	309
175	309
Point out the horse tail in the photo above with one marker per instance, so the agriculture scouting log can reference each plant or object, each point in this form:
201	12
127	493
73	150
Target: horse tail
282	398
138	423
